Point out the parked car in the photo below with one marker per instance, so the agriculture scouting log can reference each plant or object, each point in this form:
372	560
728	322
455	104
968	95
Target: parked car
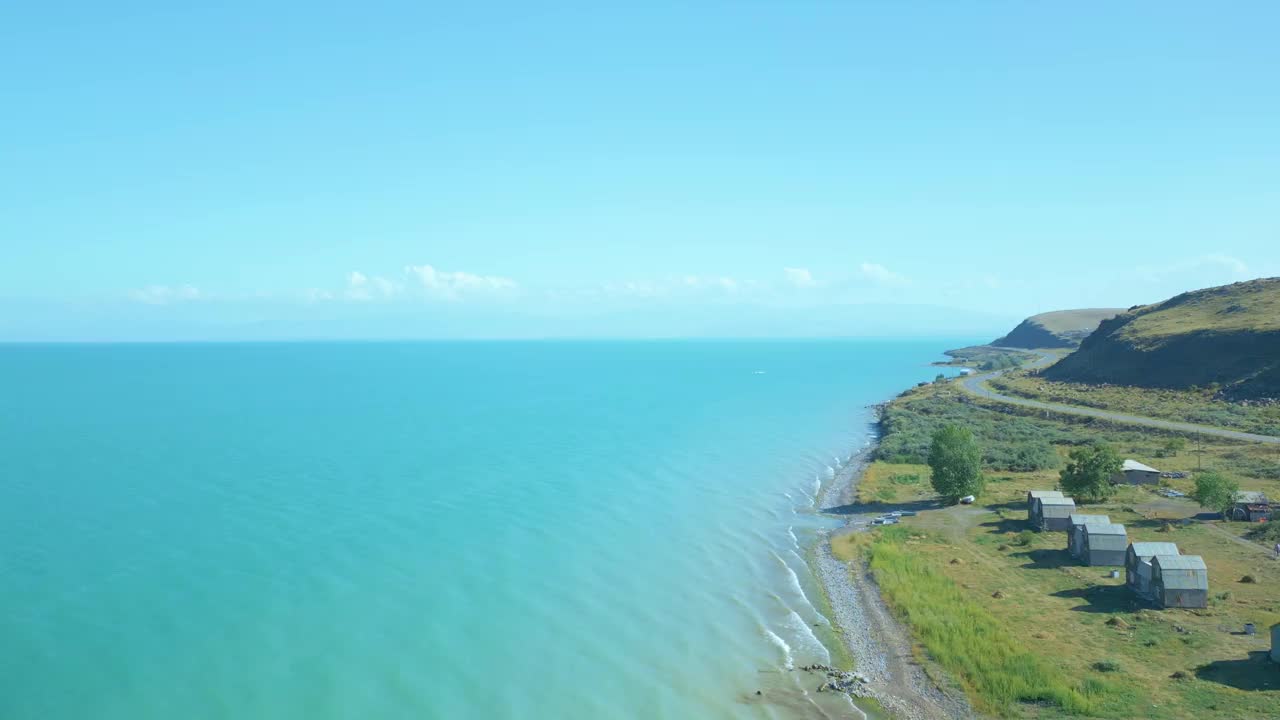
968	500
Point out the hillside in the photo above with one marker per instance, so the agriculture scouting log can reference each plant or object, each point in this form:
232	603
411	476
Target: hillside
1059	329
1226	336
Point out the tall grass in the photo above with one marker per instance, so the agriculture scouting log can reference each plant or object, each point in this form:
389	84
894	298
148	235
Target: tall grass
995	667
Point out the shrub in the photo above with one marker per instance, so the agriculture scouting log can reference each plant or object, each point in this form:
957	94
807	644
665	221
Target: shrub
1267	533
1107	666
1025	538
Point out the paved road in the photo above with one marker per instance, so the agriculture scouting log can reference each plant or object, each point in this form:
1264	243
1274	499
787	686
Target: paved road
976	384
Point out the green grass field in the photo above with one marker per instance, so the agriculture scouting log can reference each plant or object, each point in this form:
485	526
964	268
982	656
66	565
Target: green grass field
1029	632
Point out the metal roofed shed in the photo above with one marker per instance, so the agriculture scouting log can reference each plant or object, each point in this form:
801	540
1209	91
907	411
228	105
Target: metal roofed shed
1137	563
1133	472
1053	513
1075	536
1180	581
1251	506
1104	544
1032	495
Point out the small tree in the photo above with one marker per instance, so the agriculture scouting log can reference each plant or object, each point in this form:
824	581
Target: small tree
956	463
1215	491
1088	474
1174	445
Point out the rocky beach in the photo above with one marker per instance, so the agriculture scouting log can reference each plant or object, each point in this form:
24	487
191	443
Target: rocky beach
885	668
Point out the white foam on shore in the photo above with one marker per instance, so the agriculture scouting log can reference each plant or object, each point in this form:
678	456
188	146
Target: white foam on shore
809	642
795	582
794	540
788	660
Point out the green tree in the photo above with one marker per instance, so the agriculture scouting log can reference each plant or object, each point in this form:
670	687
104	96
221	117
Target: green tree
1088	473
956	463
1174	445
1215	491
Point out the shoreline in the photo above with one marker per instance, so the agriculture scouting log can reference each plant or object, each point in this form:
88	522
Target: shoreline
881	648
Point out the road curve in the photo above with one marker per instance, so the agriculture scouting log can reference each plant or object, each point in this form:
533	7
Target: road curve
975	385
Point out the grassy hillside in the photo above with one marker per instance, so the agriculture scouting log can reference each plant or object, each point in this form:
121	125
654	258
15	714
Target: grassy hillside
1227	337
1063	328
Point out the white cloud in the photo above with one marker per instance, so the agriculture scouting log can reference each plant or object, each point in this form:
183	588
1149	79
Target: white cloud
362	288
636	288
800	277
698	282
880	274
165	294
674	286
385	287
1212	265
1232	264
357	287
453	285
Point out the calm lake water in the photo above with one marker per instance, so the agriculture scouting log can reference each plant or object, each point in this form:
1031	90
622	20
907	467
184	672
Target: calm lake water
422	530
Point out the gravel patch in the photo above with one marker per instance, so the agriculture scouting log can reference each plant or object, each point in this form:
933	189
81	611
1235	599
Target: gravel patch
880	647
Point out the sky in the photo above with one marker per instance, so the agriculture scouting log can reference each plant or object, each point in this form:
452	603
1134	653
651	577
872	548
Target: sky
749	169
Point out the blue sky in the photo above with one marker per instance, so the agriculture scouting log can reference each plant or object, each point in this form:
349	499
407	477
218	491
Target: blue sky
745	168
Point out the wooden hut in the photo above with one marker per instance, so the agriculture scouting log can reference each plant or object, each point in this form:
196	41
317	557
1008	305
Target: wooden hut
1052	513
1075	537
1179	581
1137	563
1104	544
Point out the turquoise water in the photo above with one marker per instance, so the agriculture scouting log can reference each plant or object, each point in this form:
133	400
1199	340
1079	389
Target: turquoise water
422	530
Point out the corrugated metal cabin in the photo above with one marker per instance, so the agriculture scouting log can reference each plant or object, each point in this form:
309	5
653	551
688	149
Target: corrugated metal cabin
1075	537
1032	495
1104	544
1053	513
1180	581
1137	563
